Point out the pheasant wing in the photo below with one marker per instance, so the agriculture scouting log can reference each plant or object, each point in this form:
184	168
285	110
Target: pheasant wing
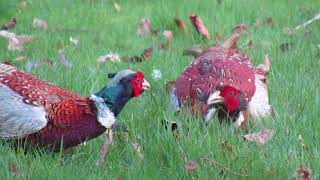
25	102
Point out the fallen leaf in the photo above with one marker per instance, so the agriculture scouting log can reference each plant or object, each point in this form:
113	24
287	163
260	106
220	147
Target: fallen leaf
168	34
20	58
170	85
156	74
191	165
180	23
147	52
239	28
269	20
304	173
138	148
144	27
250	44
15	42
118	178
63	59
117	7
257	22
13	168
104	149
260	137
139	58
162	46
194	51
266	21
74	40
199	26
39	23
113	57
10	24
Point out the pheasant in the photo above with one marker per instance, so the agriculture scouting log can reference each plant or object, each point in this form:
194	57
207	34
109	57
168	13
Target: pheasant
223	79
44	114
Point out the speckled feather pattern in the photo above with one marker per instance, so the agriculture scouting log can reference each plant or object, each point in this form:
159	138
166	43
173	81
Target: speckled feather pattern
214	67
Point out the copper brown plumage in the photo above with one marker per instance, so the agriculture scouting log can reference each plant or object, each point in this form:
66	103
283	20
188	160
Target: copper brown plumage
45	114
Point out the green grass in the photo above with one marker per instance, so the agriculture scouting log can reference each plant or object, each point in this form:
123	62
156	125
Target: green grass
294	88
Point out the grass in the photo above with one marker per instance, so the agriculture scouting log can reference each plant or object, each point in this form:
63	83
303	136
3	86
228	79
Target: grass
294	88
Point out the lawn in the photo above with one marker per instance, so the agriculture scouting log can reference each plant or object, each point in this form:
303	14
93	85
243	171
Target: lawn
293	87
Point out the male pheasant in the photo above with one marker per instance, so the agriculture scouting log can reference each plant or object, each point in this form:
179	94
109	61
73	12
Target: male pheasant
223	79
44	114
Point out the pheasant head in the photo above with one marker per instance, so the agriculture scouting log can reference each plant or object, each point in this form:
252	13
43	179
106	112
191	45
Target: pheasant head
121	88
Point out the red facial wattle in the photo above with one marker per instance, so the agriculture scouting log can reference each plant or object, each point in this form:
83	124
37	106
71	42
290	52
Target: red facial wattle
136	82
231	97
232	104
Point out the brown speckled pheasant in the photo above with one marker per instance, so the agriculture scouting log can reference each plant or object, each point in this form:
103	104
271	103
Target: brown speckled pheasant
223	79
47	115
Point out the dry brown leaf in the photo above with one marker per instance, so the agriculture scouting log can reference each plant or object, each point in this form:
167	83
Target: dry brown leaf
113	57
39	23
304	173
11	24
239	28
20	58
191	165
194	51
269	21
257	22
13	168
139	58
104	149
147	52
180	23
260	137
144	27
250	44
162	46
266	21
15	42
199	25
170	85
168	34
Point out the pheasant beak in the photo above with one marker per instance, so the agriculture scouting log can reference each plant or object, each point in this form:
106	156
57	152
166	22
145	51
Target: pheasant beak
145	85
215	98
